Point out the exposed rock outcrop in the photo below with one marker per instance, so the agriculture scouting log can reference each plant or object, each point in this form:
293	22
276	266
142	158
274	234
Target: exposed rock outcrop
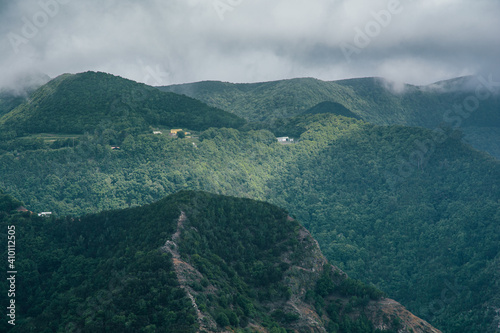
303	272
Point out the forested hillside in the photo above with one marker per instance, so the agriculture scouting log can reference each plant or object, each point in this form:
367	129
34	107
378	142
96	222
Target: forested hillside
471	104
75	104
415	213
191	262
267	100
332	107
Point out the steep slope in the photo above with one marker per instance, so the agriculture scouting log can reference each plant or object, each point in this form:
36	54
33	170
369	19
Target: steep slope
427	213
375	100
84	102
191	262
100	273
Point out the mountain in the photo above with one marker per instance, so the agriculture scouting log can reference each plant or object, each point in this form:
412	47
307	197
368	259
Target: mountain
375	100
192	262
75	104
264	101
415	212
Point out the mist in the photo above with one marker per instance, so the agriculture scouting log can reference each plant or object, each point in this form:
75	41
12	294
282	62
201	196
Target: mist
161	43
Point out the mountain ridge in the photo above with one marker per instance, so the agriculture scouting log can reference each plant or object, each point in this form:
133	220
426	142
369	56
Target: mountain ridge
376	100
234	283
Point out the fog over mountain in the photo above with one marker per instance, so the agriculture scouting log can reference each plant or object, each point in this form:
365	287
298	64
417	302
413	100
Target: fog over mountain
178	41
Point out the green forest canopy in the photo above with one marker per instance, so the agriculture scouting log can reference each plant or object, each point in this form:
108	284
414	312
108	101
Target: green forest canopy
75	104
392	205
106	272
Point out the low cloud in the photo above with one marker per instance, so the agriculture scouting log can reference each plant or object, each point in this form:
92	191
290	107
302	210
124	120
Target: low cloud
160	42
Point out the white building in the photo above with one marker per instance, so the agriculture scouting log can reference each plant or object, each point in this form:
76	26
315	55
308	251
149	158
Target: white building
284	139
45	214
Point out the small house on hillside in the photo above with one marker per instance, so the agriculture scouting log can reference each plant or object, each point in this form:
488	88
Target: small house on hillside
157	132
284	139
45	214
175	131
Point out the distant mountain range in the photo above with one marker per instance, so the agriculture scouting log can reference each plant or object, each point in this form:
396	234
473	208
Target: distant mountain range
375	100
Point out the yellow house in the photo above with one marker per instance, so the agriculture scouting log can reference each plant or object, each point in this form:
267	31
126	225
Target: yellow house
174	131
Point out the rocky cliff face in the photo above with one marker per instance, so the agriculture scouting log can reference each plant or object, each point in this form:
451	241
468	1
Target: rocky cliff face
392	310
307	308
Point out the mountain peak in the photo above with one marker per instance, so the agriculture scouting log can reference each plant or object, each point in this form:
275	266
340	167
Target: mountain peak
78	103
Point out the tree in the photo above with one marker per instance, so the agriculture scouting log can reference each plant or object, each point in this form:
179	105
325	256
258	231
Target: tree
222	320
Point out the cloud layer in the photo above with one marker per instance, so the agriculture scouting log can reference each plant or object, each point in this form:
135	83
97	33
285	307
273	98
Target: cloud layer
164	42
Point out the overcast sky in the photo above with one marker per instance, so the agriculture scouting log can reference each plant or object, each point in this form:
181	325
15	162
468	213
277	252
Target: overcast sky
162	42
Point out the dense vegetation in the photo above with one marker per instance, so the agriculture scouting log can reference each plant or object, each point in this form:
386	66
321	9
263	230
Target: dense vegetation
238	245
332	107
74	279
7	203
413	211
373	99
88	101
108	272
435	230
426	232
265	101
